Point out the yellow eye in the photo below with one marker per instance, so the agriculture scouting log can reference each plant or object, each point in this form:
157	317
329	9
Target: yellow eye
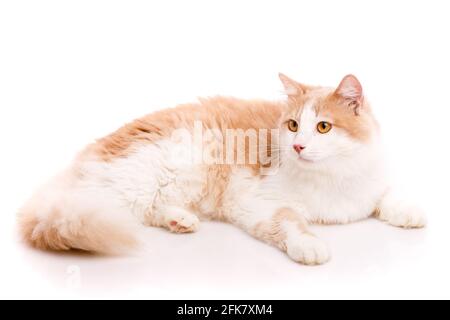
293	125
324	127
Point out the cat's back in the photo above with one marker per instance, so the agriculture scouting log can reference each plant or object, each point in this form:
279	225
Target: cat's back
218	113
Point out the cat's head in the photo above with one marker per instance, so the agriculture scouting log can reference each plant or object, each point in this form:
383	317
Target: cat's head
322	125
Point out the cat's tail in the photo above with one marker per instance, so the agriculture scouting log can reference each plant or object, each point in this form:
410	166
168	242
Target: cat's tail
63	217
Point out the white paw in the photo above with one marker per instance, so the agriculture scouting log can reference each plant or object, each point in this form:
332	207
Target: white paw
309	250
183	222
407	218
404	216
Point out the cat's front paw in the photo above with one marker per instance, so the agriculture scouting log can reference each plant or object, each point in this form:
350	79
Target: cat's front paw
308	249
408	218
402	215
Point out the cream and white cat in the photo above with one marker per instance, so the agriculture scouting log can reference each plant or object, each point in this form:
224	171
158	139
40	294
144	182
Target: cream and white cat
314	158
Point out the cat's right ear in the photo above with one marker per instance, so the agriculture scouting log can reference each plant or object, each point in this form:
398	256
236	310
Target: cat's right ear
291	87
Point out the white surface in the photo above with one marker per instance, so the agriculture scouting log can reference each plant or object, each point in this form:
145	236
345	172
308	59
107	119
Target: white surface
74	71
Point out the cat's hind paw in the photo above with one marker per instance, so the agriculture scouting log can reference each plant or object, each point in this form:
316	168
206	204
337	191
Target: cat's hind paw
182	221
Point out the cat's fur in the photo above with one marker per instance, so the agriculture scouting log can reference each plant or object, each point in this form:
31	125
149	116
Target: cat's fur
139	176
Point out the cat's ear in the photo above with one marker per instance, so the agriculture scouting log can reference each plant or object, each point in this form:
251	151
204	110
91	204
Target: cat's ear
291	87
351	91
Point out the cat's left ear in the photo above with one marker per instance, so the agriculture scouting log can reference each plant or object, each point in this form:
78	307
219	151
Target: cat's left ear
351	91
292	87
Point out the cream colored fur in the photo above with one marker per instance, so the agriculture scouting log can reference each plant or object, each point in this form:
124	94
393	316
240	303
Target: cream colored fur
142	175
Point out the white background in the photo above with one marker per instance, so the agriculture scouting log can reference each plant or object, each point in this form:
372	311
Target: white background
73	71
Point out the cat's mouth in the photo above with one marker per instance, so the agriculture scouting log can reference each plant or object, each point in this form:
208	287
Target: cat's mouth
302	158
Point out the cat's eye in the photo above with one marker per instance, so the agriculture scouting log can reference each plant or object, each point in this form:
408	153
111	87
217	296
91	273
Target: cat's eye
293	125
324	127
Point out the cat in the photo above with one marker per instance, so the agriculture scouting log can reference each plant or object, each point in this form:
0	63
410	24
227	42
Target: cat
314	157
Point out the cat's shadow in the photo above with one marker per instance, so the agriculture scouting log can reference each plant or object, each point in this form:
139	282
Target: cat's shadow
222	254
370	246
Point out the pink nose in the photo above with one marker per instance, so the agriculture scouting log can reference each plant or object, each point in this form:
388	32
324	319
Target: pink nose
298	148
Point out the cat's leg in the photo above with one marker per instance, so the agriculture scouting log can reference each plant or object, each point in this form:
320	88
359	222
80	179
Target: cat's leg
398	213
173	218
285	229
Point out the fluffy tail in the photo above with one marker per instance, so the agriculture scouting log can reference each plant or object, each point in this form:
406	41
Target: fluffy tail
60	217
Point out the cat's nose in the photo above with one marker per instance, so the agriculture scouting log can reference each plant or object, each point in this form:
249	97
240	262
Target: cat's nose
298	148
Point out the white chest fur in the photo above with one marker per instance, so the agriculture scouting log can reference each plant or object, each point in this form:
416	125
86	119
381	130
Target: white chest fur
340	192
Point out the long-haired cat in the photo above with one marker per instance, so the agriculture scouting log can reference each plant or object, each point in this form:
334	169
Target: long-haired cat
270	168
